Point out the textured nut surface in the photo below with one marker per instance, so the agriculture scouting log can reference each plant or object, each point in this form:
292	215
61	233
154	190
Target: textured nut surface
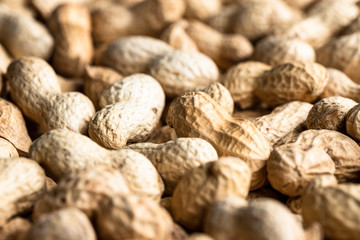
132	217
36	90
329	113
353	121
199	188
241	81
276	50
175	158
22	181
162	135
290	82
180	71
132	108
64	224
196	114
7	149
16	228
131	55
291	167
344	151
283	120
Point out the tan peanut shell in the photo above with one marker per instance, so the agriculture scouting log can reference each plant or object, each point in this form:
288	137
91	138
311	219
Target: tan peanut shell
12	126
131	55
199	236
64	224
139	96
162	135
344	151
16	228
241	81
175	158
178	233
302	4
342	53
22	182
352	122
196	114
83	190
132	217
224	49
353	27
262	219
329	113
223	21
265	192
202	9
97	79
199	188
45	8
82	153
5	59
291	167
341	85
36	90
180	71
70	84
7	149
250	114
292	82
335	208
24	36
71	27
276	50
282	120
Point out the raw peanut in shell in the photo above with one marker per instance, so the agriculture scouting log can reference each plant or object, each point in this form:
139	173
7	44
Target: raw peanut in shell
250	114
344	151
341	85
196	114
329	113
180	71
12	126
22	181
131	55
7	149
131	109
175	158
353	121
35	89
199	188
241	81
64	151
83	190
132	217
223	21
336	208
71	26
162	135
292	166
276	50
291	82
5	59
16	229
65	224
45	8
261	219
282	120
202	9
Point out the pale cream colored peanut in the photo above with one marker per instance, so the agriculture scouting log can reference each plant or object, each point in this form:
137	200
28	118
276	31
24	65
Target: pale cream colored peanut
175	158
7	150
202	9
132	108
82	153
45	8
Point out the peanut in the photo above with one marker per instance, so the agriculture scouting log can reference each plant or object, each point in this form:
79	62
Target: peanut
352	122
202	9
162	135
16	228
7	150
36	90
199	236
47	7
5	59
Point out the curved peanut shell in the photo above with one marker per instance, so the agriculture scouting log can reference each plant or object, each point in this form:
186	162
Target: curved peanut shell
202	9
7	150
353	121
196	114
221	95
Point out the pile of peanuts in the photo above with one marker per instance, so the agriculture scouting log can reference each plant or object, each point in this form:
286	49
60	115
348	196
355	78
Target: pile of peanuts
179	119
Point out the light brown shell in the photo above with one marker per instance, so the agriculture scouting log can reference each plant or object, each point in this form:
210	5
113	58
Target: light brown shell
292	166
283	120
302	4
340	85
344	151
329	113
97	79
7	150
132	218
24	36
5	59
132	108
241	81
35	89
199	236
353	122
196	114
22	181
202	9
131	55
175	158
180	71
70	24
250	114
45	8
342	53
12	126
276	50
64	151
162	135
292	82
16	228
336	208
64	224
199	188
